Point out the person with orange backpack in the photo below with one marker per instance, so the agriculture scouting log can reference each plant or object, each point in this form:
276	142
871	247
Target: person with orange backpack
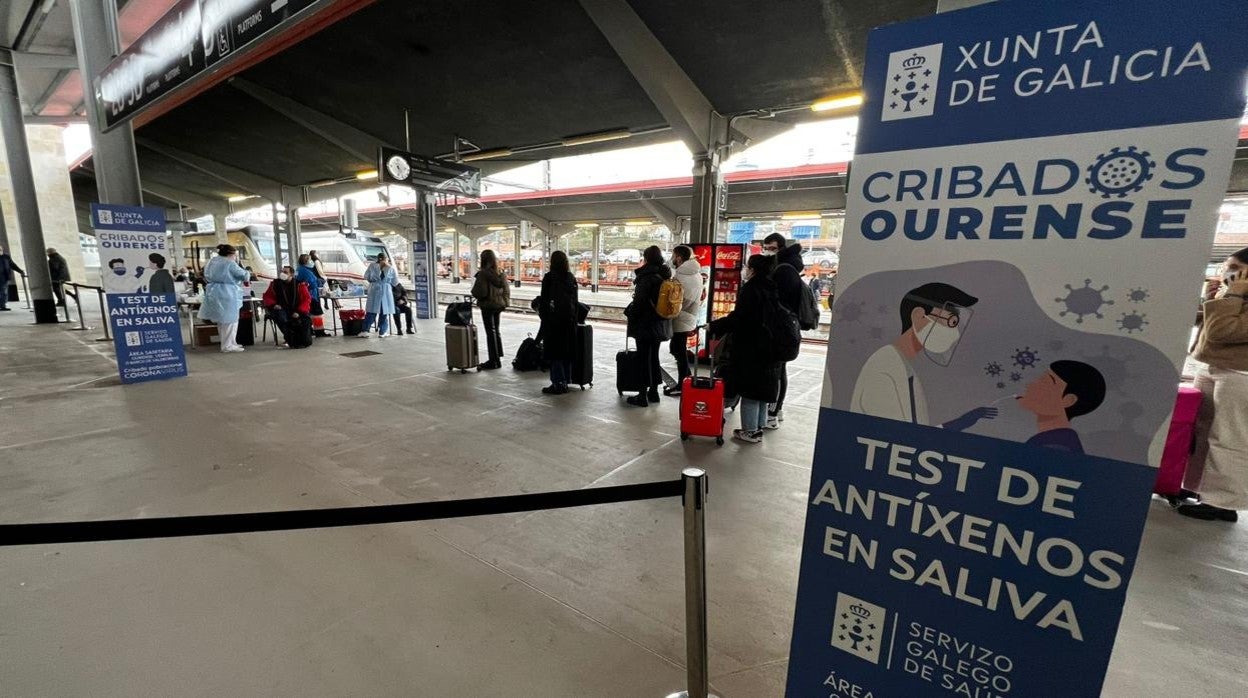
646	324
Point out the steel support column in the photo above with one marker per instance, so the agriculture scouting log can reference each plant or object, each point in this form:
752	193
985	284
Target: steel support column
708	197
593	264
293	233
218	227
522	232
277	239
455	258
26	202
426	229
116	165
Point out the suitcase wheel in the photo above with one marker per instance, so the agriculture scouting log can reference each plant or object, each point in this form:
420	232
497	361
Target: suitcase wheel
719	440
684	436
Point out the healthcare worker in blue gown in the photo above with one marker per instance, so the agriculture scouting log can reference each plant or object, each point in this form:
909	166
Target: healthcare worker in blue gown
223	295
381	278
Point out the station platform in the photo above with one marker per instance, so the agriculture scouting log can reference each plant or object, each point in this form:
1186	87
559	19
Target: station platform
559	603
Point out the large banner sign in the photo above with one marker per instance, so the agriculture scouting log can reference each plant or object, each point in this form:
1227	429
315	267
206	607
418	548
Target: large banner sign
142	303
422	284
1031	206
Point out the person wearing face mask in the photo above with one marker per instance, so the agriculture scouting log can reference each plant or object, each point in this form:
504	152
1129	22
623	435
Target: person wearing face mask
306	274
380	306
1217	473
753	374
787	274
932	319
288	302
223	295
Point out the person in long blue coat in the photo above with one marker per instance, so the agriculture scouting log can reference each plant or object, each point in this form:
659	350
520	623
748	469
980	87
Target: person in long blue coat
380	277
223	295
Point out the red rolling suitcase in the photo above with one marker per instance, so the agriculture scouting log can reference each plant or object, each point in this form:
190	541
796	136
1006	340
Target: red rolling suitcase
1179	443
702	406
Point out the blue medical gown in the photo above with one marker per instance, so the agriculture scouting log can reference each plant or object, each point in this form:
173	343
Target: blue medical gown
380	297
223	296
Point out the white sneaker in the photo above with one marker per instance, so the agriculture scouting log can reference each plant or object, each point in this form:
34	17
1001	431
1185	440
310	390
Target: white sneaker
749	437
383	336
233	350
773	422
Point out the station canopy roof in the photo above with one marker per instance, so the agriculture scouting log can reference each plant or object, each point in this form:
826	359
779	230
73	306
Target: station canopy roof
499	74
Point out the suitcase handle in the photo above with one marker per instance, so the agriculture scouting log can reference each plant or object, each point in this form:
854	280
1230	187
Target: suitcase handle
697	347
627	337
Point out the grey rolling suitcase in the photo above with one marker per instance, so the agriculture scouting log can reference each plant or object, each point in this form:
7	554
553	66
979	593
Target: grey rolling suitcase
461	347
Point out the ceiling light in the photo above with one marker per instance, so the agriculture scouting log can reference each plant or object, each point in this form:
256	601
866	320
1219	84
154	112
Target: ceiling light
588	138
240	197
486	154
800	216
498	227
834	103
587	225
638	222
366	175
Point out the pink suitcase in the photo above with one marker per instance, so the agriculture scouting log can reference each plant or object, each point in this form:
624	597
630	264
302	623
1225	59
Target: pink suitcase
1178	442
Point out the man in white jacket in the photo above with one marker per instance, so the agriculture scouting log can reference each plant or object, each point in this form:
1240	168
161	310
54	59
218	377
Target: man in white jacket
689	274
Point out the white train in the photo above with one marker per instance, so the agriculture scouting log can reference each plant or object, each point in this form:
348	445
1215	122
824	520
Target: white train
345	256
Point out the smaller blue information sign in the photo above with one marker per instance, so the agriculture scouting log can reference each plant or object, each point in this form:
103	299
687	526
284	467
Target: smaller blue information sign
142	304
421	285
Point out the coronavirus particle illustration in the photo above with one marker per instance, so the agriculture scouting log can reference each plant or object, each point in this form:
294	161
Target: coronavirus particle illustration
877	333
1132	322
1016	376
993	369
1084	301
1000	385
1138	295
1113	366
850	311
1026	357
1120	172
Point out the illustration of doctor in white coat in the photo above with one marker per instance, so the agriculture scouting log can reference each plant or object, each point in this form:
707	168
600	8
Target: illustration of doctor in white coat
933	316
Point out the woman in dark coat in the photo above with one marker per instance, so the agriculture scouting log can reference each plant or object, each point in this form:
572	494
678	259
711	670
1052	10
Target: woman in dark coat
644	323
753	373
558	314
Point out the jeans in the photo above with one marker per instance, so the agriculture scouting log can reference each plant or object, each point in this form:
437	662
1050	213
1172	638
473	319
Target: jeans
560	372
753	414
493	339
649	349
679	348
383	323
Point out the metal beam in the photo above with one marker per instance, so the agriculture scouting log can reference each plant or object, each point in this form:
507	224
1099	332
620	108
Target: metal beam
247	182
35	17
665	215
677	97
30	119
199	202
53	86
343	135
27	60
526	215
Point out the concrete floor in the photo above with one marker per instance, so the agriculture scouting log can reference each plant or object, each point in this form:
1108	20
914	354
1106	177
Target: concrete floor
565	603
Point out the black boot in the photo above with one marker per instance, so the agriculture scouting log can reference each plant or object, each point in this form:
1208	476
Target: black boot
638	400
1208	512
654	394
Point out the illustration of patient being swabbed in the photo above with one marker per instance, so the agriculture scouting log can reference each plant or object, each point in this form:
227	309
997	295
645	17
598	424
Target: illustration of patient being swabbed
1068	389
933	318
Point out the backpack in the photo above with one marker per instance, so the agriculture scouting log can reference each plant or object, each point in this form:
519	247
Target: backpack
807	306
671	297
785	332
528	356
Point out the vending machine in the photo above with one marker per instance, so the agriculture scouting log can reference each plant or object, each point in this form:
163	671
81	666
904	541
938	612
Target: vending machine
721	264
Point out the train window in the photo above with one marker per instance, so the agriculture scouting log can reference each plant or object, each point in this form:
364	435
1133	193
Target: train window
333	257
369	252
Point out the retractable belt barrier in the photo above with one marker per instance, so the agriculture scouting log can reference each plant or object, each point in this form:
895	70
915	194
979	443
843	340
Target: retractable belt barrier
82	324
691	488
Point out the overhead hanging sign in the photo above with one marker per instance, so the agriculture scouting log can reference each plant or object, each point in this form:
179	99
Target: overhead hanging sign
432	174
139	290
189	39
1034	194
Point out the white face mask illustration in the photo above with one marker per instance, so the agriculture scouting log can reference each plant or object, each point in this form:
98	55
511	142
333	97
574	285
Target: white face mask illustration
939	338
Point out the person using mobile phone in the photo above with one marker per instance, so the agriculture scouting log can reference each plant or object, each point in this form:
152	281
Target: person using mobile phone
1218	470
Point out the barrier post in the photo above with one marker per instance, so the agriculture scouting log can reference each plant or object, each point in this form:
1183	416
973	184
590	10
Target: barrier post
25	290
108	337
61	286
697	675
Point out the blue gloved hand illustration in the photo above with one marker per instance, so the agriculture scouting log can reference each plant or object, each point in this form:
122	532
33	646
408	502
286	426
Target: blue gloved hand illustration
969	419
138	273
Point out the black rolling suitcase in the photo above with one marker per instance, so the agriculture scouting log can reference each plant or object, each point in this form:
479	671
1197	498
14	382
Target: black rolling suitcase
246	335
632	374
583	357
